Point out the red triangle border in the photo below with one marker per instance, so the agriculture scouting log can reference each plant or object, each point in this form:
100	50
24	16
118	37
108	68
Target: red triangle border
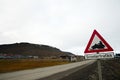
109	48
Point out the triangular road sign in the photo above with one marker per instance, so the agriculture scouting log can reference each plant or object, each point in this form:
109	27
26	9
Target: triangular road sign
97	44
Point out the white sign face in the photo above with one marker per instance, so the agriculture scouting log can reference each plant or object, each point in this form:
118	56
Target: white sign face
99	56
96	42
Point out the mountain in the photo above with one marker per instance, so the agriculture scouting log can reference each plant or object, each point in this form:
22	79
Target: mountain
31	49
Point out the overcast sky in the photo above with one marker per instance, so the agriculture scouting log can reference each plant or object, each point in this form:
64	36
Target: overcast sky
65	24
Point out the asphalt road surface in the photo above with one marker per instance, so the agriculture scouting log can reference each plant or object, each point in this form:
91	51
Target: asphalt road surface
58	72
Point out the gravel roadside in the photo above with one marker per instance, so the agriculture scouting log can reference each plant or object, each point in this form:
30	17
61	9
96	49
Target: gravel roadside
84	72
110	71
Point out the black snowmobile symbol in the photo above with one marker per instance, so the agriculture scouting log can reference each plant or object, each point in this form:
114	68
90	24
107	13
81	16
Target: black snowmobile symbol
98	46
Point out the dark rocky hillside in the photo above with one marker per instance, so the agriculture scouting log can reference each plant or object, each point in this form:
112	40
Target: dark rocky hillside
31	49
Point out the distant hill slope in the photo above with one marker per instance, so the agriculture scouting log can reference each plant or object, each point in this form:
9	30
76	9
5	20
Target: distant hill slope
32	49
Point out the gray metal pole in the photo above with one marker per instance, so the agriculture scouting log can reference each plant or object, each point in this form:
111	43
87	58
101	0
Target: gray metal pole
99	69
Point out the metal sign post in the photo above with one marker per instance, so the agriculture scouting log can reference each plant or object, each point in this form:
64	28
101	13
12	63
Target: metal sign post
99	68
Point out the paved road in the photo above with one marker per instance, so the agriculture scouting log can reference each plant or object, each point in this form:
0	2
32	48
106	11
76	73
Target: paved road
39	73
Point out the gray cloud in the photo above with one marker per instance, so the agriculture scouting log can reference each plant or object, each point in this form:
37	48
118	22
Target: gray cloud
66	24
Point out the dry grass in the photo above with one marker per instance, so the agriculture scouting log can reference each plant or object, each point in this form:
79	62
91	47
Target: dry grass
9	65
